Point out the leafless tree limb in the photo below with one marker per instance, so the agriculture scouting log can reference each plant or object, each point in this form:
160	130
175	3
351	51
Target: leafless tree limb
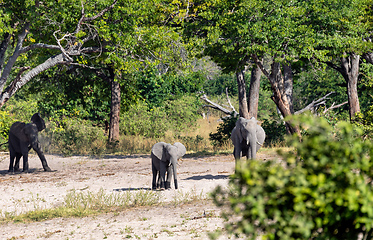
314	104
333	106
217	106
229	101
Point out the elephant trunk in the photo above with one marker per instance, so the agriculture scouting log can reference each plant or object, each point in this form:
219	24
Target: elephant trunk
174	167
251	143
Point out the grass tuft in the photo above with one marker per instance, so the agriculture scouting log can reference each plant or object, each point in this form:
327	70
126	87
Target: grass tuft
82	204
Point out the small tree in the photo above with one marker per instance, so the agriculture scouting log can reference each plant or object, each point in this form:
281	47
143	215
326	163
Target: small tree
322	190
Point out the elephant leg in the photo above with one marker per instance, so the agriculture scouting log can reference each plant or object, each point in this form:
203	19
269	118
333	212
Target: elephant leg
162	174
11	164
40	153
159	180
25	162
249	152
169	177
237	152
155	173
16	164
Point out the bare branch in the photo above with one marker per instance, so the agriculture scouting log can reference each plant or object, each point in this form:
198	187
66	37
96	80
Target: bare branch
216	106
321	101
229	101
60	46
39	45
108	8
12	60
334	107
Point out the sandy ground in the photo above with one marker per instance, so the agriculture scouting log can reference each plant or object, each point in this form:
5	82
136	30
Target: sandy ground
22	192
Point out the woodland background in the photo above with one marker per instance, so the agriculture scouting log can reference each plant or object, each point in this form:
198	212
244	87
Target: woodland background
115	77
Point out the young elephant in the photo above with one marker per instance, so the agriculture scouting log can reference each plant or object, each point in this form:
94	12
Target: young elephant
23	137
164	159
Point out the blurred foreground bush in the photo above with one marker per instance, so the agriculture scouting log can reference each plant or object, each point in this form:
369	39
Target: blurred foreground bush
322	190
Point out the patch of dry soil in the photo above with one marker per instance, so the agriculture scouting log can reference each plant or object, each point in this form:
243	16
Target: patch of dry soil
22	192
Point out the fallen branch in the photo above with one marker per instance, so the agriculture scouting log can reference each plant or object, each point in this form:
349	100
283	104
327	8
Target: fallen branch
316	103
334	106
229	101
217	106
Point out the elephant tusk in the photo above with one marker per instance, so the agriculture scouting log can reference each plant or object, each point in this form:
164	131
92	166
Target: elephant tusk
261	144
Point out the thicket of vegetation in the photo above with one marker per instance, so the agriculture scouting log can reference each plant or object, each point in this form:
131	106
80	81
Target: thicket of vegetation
321	190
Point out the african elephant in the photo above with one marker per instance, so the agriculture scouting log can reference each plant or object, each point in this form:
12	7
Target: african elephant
23	137
247	137
164	159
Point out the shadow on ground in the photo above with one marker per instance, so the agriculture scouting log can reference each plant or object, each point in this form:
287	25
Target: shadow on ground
208	176
129	189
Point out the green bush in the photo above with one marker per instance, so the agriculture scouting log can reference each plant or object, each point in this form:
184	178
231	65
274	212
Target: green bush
75	136
365	122
176	115
21	109
5	122
182	114
275	132
223	134
322	190
140	121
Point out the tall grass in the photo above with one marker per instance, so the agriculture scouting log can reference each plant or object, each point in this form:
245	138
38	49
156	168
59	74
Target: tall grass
79	137
81	204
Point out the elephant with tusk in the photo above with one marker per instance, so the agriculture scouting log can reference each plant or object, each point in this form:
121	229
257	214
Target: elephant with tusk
164	159
247	137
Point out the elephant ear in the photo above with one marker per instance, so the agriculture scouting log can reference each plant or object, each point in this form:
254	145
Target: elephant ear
158	148
38	121
181	150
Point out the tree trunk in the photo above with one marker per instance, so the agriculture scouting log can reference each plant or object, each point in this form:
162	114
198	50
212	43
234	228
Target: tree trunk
114	111
242	99
350	72
3	47
288	86
282	88
254	92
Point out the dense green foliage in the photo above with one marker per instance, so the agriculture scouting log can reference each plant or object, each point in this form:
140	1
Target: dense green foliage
322	190
223	134
365	122
177	115
151	46
156	88
74	93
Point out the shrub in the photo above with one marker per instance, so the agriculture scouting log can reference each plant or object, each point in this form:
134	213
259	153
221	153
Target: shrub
21	109
5	122
176	115
365	122
75	136
275	132
223	134
322	190
140	121
182	114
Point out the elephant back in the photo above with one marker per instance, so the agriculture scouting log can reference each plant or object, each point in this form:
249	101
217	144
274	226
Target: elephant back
17	130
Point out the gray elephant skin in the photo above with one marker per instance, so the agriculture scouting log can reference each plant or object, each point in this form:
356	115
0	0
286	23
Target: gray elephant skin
164	159
23	137
247	137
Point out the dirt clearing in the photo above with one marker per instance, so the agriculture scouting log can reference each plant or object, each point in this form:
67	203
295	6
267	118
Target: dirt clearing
22	192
